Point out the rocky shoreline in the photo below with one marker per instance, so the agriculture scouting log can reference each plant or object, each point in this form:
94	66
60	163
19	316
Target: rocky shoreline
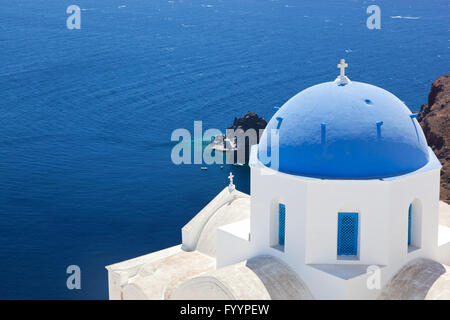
434	117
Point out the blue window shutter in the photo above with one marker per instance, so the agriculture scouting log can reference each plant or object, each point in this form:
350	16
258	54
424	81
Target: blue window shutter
281	223
409	224
347	233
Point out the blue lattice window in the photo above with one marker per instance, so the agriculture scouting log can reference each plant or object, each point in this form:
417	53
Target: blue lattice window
409	224
281	223
347	233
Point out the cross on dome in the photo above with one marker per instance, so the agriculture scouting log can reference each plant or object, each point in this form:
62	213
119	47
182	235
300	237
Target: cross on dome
230	177
342	65
342	78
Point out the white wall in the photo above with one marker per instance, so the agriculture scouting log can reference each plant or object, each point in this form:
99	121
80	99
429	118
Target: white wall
326	198
233	244
267	190
423	191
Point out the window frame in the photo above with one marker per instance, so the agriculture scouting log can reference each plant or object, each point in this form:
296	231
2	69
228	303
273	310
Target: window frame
355	252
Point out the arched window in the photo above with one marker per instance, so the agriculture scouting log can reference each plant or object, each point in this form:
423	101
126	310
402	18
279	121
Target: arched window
414	225
281	223
409	224
278	224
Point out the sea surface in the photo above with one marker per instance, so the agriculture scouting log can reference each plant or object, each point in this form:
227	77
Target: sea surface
86	116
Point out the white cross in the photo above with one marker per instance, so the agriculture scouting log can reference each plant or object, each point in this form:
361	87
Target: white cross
231	178
342	66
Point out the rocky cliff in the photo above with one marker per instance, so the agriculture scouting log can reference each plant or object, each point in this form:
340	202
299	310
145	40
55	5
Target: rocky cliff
434	118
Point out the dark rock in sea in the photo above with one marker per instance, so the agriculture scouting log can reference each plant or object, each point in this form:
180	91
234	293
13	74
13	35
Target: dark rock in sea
434	118
250	121
240	137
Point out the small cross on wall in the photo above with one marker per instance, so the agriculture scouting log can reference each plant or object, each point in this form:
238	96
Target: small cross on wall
342	66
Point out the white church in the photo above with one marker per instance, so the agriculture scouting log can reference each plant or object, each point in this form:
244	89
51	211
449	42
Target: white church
347	207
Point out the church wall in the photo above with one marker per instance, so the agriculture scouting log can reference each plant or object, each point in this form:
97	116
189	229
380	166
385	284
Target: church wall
269	187
323	286
444	254
326	198
231	248
422	190
357	288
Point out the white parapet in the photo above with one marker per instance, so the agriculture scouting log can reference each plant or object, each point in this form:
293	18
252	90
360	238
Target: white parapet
119	273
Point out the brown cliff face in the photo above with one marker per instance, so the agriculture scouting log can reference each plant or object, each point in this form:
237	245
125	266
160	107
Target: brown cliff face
434	118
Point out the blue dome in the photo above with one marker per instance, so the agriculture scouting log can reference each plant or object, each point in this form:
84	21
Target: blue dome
351	131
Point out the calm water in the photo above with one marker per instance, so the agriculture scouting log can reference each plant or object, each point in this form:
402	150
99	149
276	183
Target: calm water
86	115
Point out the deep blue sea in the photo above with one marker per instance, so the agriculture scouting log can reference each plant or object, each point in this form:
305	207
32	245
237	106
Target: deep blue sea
86	115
